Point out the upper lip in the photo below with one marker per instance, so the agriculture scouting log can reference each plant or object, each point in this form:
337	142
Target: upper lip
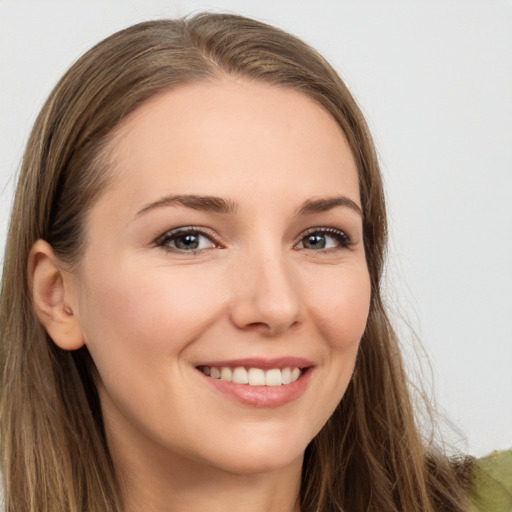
263	363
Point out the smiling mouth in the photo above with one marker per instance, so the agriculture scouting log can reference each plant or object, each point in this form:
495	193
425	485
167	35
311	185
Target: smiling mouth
253	376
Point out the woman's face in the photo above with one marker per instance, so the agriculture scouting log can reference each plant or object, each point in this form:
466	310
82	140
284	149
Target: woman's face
229	242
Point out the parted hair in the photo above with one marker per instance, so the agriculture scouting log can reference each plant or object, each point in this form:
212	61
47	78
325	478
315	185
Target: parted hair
369	457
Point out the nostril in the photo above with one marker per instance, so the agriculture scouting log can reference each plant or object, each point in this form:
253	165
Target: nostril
270	329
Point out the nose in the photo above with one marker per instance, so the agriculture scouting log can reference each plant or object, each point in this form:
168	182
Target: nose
265	294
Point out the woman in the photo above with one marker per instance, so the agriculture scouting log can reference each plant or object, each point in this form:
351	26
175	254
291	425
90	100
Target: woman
199	228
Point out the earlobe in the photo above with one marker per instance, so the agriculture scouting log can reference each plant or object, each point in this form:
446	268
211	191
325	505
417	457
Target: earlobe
49	287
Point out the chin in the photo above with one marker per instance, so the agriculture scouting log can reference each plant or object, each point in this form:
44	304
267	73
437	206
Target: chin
264	464
261	455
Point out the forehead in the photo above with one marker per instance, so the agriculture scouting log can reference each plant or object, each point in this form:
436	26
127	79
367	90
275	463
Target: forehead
218	137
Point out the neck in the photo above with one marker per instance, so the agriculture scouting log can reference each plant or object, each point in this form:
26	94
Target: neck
215	493
182	485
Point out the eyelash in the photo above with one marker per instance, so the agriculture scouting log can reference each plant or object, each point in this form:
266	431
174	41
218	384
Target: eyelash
341	237
163	240
173	234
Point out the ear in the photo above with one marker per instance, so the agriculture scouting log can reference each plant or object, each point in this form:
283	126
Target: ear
51	286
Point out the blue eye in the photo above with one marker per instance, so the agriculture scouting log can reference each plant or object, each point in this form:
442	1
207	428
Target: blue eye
324	238
185	239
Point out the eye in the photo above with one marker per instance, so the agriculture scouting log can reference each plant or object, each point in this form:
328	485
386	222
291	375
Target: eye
186	239
324	239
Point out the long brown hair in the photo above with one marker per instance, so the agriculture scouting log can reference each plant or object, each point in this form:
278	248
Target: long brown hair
368	457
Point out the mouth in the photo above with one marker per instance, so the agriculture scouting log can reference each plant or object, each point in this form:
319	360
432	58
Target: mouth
259	382
253	376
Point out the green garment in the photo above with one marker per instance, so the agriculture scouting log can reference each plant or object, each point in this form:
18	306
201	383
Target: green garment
492	483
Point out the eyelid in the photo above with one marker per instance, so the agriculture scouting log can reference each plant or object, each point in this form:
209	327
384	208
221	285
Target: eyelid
342	237
162	239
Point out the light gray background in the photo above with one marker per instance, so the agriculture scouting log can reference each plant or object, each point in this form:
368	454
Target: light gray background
435	81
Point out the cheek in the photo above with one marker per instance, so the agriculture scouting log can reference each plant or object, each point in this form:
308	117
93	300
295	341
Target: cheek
340	305
137	329
154	311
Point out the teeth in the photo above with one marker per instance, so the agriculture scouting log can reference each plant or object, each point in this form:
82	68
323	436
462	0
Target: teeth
273	378
256	377
240	375
226	374
253	376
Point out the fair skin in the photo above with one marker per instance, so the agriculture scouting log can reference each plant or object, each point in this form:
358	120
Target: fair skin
269	275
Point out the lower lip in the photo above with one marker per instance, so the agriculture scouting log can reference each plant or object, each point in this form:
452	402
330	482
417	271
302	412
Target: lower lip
262	396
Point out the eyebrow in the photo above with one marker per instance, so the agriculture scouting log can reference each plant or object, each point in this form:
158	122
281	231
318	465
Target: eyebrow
228	207
203	203
312	206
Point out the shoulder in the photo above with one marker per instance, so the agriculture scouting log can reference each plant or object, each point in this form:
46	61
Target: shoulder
491	483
